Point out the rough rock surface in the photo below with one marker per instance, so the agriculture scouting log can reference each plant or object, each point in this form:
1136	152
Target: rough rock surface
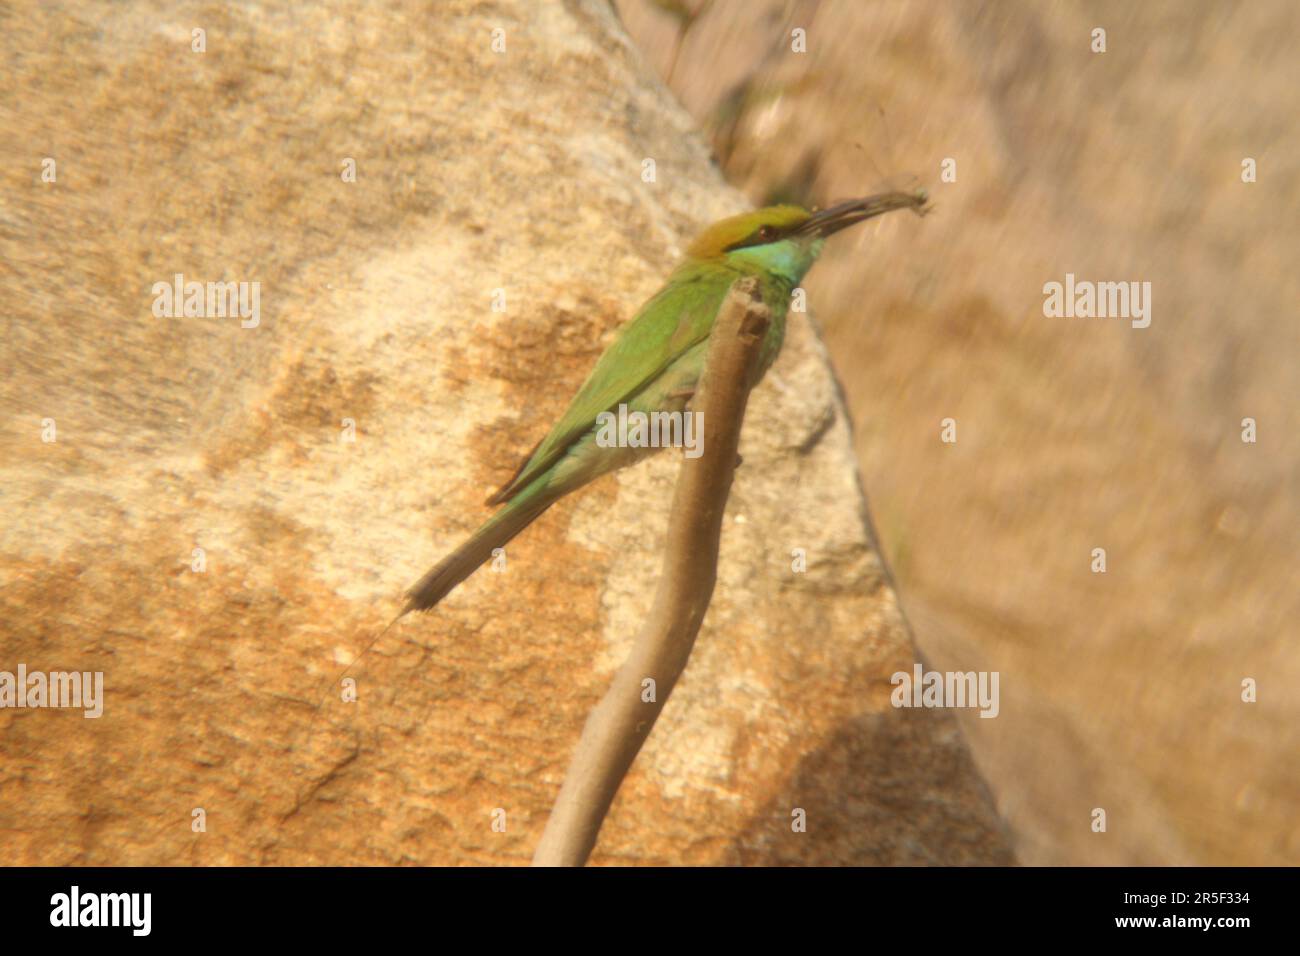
1120	690
476	171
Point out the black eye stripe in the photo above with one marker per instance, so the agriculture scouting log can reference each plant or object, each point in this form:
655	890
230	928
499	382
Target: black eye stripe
759	237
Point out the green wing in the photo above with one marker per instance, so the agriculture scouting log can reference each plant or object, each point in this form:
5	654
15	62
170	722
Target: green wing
679	316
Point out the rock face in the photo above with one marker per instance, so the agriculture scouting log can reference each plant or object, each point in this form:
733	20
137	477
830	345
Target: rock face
324	458
1121	690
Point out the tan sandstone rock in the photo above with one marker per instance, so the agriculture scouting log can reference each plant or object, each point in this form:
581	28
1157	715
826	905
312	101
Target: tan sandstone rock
476	171
1120	690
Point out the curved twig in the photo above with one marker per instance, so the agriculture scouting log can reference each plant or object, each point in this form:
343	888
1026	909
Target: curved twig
621	722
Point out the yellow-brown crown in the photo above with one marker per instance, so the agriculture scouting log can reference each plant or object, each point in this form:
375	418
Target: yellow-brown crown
746	228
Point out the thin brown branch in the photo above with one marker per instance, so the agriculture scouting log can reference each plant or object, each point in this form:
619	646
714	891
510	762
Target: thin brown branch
621	722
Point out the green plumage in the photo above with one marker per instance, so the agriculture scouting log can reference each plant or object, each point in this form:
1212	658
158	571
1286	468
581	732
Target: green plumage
655	363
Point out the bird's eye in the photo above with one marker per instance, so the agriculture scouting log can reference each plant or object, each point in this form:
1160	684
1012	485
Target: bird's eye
766	233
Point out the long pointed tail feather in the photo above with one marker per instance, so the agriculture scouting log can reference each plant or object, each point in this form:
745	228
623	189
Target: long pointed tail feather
444	576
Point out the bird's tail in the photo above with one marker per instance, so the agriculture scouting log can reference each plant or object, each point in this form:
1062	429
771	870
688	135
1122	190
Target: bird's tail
443	577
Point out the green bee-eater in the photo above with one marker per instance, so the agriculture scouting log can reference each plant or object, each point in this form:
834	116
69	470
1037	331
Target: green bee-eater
655	362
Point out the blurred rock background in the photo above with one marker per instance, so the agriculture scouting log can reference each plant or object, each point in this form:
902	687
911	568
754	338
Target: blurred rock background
1119	690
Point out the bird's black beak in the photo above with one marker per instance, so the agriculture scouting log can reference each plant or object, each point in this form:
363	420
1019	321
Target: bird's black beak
826	222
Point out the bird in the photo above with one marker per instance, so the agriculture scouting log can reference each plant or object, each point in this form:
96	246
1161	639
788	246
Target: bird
655	361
